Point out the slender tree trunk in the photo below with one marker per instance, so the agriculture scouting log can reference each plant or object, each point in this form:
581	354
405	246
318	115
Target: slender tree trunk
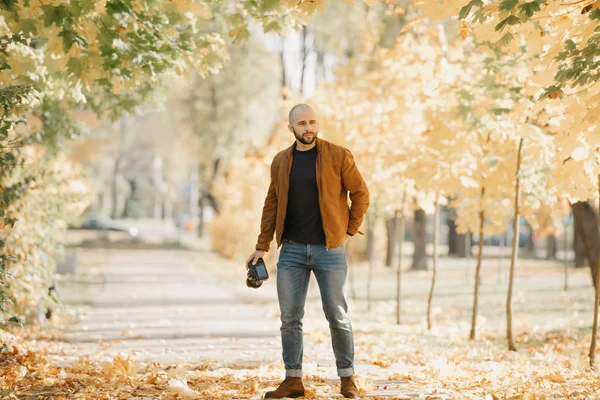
578	247
420	241
283	73
115	187
402	223
551	247
320	69
452	234
478	268
586	224
463	246
530	242
391	225
566	246
514	254
303	55
596	297
436	234
200	230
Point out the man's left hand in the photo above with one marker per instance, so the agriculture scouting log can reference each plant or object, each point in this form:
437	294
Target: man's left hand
347	237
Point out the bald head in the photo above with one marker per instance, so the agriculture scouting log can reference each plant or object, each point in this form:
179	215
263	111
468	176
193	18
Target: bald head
297	109
303	123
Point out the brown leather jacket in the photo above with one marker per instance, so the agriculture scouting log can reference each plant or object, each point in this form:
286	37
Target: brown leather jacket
337	175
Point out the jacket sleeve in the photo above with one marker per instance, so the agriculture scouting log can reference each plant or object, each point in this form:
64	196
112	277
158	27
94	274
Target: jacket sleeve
269	216
359	193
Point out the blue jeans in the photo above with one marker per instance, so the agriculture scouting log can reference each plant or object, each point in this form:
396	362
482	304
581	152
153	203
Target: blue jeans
296	261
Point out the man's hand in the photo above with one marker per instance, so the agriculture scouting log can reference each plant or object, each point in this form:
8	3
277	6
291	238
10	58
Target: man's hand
347	237
255	256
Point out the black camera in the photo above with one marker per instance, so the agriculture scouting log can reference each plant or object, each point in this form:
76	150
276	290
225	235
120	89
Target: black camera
257	273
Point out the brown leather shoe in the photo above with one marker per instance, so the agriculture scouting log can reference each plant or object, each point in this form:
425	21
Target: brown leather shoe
349	387
290	387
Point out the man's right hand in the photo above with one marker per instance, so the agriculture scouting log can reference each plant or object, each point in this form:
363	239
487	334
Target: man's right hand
255	256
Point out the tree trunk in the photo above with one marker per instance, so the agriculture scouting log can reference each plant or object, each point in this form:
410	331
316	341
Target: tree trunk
514	254
566	260
303	55
320	69
283	73
452	235
391	225
478	268
578	247
115	187
370	239
420	241
530	243
401	230
200	231
463	246
551	247
586	224
436	234
596	296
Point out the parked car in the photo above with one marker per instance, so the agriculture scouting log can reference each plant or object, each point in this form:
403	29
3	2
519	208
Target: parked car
107	224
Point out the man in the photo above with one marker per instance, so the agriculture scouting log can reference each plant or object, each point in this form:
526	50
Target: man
307	209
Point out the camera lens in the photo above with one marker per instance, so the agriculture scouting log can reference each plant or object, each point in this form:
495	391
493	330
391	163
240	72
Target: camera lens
253	284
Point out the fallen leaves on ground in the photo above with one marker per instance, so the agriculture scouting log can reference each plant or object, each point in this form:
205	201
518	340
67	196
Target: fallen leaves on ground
417	365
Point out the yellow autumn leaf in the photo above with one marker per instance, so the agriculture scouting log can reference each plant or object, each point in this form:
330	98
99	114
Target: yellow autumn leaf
181	388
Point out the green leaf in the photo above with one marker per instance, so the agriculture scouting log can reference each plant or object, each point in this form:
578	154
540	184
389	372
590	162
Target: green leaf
235	20
465	11
506	39
70	37
4	348
510	20
59	16
530	8
551	92
270	5
242	36
499	111
508	5
595	14
16	320
570	45
10	222
8	4
75	67
271	26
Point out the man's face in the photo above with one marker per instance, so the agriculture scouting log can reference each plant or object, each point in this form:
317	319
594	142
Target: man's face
305	126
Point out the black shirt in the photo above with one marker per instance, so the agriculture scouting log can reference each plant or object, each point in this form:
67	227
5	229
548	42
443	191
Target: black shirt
303	222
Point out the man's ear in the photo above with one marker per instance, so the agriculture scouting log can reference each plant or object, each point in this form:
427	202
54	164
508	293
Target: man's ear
290	128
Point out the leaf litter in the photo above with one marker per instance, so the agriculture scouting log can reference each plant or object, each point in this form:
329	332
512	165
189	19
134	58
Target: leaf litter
404	362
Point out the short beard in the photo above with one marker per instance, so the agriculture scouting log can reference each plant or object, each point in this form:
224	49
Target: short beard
301	138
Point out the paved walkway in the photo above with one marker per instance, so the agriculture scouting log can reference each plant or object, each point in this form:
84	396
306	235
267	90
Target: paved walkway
166	306
163	306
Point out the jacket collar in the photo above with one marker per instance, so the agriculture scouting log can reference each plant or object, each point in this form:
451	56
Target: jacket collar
291	149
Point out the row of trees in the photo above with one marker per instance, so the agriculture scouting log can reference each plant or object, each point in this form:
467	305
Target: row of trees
109	57
490	115
485	126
